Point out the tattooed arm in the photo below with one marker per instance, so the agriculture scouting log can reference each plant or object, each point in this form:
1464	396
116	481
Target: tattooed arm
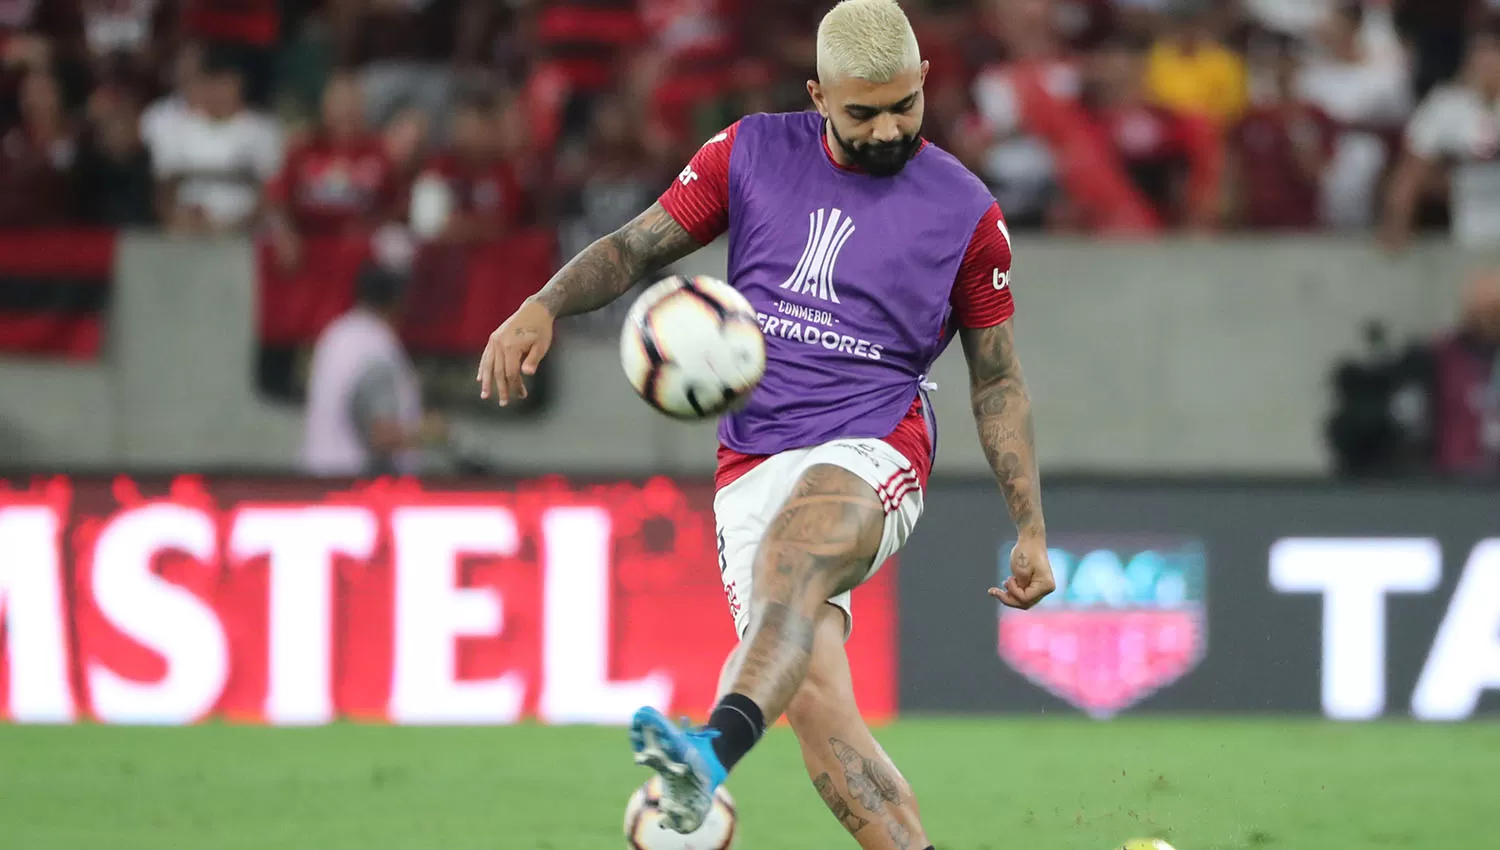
600	273
608	268
1002	411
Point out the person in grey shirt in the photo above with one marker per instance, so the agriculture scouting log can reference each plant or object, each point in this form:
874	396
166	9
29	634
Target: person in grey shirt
364	406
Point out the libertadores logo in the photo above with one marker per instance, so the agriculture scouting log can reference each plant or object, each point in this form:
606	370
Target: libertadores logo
1128	618
827	231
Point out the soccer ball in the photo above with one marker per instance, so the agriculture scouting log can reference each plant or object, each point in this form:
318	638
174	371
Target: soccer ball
1146	844
692	348
644	829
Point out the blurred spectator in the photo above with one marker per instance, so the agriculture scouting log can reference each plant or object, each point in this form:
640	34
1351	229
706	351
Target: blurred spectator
337	182
1465	402
37	158
482	197
606	179
213	166
1017	163
41	35
1153	144
582	47
1437	31
1191	71
245	32
1457	125
115	178
165	117
119	36
1359	77
364	398
405	140
695	43
1299	18
407	51
1086	24
1278	152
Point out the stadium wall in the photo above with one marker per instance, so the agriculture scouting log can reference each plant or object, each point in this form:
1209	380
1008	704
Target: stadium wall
283	601
1180	356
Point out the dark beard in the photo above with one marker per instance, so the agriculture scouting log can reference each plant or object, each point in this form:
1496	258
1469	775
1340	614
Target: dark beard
882	160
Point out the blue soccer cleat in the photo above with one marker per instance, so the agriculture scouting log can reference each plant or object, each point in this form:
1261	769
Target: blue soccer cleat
685	760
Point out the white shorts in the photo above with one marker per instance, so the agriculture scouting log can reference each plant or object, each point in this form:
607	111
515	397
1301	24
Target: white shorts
745	507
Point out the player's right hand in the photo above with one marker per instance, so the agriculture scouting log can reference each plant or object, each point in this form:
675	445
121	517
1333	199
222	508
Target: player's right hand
1031	576
515	349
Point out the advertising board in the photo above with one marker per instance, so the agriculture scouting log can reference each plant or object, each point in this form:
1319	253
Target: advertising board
286	601
1352	602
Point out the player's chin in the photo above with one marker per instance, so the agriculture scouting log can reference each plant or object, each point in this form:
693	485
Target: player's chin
883	167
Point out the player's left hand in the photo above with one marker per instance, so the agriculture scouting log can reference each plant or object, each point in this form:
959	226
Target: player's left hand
1030	574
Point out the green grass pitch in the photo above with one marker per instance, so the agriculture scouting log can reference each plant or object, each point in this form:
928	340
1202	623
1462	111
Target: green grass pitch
984	784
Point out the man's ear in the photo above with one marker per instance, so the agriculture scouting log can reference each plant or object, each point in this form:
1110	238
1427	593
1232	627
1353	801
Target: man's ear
815	91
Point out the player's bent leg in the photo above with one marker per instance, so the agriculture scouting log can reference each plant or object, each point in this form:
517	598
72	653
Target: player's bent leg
822	542
854	776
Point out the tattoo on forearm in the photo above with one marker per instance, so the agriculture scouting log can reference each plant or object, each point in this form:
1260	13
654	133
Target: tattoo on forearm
1002	410
837	804
608	268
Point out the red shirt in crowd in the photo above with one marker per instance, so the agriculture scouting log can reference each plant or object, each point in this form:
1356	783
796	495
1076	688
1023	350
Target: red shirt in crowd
583	41
1281	151
253	22
328	188
1154	147
487	193
36	188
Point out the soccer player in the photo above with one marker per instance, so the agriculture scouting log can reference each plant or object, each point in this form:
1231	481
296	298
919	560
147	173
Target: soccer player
865	250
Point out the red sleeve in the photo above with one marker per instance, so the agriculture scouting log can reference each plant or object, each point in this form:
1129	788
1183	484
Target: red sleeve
981	295
699	196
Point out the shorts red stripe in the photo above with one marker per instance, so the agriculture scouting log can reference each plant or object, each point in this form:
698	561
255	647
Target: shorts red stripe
895	489
890	482
895	503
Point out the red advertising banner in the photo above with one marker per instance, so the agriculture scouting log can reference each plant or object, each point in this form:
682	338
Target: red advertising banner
288	601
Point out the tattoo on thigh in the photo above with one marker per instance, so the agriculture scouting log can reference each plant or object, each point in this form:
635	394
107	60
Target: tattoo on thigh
868	780
827	532
837	804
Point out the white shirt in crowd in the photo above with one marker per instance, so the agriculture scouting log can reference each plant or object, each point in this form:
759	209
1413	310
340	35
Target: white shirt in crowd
1374	91
1457	125
222	164
1294	17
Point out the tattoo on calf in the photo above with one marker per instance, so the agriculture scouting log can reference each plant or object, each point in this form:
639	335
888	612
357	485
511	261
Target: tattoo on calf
837	804
900	835
868	780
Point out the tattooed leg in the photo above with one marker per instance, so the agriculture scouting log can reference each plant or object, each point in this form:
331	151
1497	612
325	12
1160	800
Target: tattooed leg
822	542
856	779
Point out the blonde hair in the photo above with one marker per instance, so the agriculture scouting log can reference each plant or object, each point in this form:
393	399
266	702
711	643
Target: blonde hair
867	39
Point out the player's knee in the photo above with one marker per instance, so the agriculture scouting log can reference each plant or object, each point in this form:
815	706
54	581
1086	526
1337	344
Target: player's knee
821	701
816	704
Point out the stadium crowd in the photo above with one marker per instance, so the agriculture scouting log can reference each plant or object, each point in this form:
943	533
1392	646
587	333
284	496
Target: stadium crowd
1103	116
